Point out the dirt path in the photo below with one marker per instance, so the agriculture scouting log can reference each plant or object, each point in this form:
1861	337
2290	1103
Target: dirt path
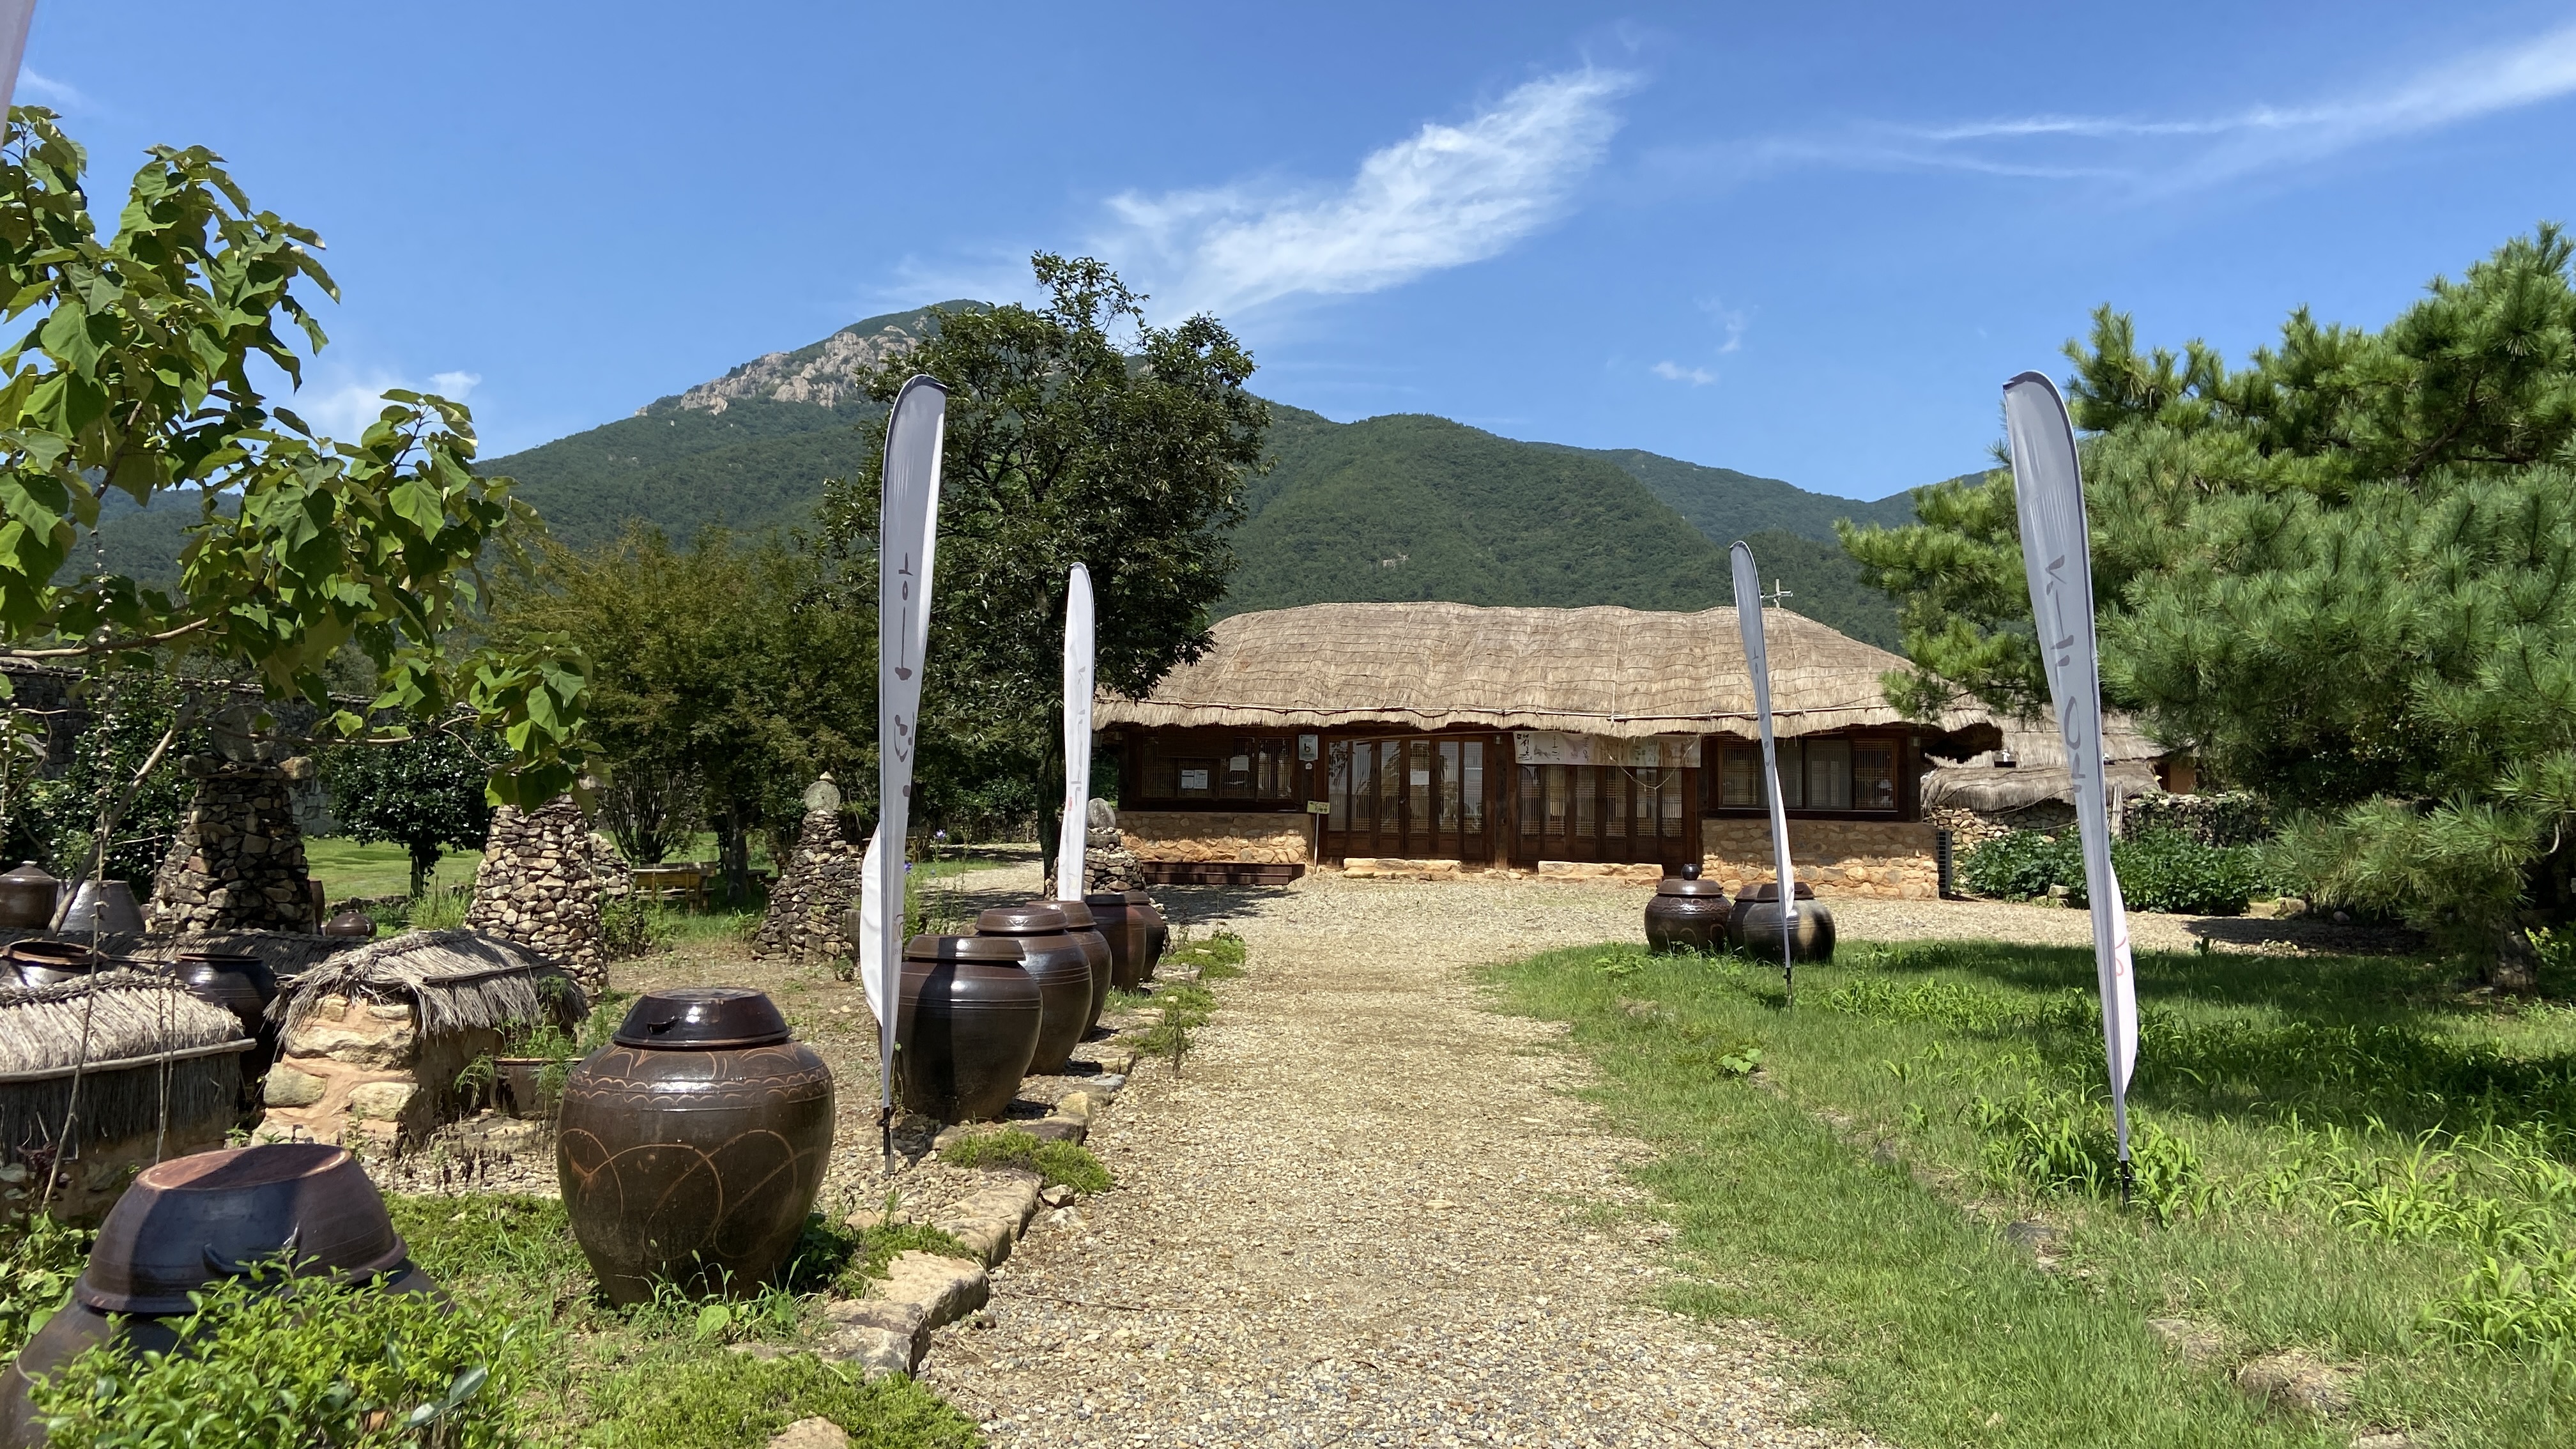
1366	1214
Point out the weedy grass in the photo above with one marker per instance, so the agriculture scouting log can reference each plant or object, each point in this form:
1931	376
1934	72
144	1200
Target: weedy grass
40	1258
2343	1155
1066	1164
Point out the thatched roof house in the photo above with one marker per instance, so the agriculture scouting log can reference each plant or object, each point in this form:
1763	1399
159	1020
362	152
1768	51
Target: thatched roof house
1532	739
2027	770
375	1037
159	1074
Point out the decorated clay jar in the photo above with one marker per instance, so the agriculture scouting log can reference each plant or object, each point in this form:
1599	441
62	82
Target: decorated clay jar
966	1028
1055	961
1754	928
691	1147
1686	913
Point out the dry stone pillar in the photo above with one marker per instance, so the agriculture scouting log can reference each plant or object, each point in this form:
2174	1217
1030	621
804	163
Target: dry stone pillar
535	888
820	882
237	863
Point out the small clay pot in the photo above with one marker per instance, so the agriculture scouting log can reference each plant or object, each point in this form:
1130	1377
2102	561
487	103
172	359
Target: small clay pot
966	1026
1056	962
1129	947
50	963
1084	928
1687	913
190	1220
224	986
253	969
27	898
691	1148
1754	928
519	1088
1158	932
350	925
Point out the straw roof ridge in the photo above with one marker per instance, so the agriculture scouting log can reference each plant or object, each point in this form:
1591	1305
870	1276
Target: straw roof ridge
1602	670
129	1014
1988	790
459	980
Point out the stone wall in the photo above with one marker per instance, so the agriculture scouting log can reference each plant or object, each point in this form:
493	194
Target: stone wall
357	1070
1967	828
1254	838
820	882
535	888
237	863
1884	858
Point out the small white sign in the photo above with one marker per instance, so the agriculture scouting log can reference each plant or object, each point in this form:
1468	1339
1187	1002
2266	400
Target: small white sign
1551	747
1422	777
1319	807
1239	765
1194	779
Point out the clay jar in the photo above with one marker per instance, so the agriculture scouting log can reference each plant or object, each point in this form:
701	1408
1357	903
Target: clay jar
187	1221
350	925
966	1026
27	897
1754	928
1686	913
1055	961
1129	946
1084	928
224	986
1158	932
691	1147
50	963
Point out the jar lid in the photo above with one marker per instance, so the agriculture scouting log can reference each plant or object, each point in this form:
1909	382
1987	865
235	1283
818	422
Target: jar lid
1769	890
1675	885
702	1018
1002	950
1106	900
1039	918
1077	915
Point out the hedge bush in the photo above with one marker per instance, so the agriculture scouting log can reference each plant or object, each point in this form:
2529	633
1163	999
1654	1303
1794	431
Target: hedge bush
2159	870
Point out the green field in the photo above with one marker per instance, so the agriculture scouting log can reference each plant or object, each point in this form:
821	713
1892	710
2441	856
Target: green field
2347	1158
345	868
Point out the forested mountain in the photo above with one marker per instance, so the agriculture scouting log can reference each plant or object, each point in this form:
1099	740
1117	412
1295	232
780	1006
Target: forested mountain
1400	507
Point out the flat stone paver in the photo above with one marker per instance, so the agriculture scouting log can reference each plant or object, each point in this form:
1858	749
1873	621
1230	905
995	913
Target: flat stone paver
1366	1213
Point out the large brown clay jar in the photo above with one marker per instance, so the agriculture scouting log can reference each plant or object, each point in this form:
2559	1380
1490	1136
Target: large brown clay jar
691	1147
1054	960
1125	931
27	897
966	1027
1084	928
1158	932
188	1220
1754	928
1686	913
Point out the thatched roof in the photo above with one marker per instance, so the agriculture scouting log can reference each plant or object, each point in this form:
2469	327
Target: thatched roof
156	1058
286	952
458	980
127	1014
1626	673
2039	770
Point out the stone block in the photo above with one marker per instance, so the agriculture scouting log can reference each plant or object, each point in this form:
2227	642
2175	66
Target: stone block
382	1101
944	1289
810	1434
288	1087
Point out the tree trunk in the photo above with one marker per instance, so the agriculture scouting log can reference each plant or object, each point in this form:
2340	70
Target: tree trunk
2515	966
1050	802
424	859
733	853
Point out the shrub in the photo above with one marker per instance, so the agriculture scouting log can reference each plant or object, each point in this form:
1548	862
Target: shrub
2022	864
1057	1163
327	1364
2160	870
632	926
39	1259
2232	817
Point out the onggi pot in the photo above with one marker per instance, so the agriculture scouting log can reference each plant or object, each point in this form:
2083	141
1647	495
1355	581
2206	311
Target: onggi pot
1129	947
1754	928
691	1147
186	1222
1055	961
1686	913
1158	932
1084	928
966	1027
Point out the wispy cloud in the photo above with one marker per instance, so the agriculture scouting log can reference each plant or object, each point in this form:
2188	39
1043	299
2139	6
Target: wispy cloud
343	409
1675	372
34	85
1734	320
1445	197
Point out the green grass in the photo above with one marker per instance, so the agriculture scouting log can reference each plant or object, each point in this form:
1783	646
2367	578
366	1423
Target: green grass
2345	1156
660	1374
1067	1164
348	869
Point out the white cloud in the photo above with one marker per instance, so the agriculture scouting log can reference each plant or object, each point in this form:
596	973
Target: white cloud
1445	197
345	409
1675	372
454	386
1733	319
34	85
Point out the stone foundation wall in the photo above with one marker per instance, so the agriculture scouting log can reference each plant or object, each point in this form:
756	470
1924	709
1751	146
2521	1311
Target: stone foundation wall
1891	859
357	1069
1967	828
1190	835
237	863
535	888
90	1184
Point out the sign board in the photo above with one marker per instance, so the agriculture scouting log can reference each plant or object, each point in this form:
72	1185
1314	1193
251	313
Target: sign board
1239	765
1194	779
1422	776
1550	747
1308	746
1557	747
1319	807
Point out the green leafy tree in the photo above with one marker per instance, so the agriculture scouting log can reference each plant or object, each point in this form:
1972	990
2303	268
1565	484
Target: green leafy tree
2344	575
135	376
424	793
1077	432
749	668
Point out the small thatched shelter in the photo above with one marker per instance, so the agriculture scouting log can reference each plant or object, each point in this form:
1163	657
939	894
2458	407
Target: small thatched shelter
2023	783
374	1038
159	1074
1438	737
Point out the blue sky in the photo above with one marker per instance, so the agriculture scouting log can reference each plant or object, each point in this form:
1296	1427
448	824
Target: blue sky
1805	241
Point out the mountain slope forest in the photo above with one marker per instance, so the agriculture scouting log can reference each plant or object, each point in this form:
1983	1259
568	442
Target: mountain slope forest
1402	507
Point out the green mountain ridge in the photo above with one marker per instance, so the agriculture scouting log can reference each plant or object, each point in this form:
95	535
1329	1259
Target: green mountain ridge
1400	507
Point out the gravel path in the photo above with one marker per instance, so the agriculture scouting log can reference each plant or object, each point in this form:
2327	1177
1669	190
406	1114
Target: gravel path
1366	1214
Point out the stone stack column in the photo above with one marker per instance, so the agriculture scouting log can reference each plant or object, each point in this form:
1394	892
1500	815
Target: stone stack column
820	882
535	888
237	863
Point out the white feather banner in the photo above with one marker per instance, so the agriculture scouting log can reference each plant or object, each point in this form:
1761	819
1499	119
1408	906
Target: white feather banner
1079	637
2057	560
1757	660
907	544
